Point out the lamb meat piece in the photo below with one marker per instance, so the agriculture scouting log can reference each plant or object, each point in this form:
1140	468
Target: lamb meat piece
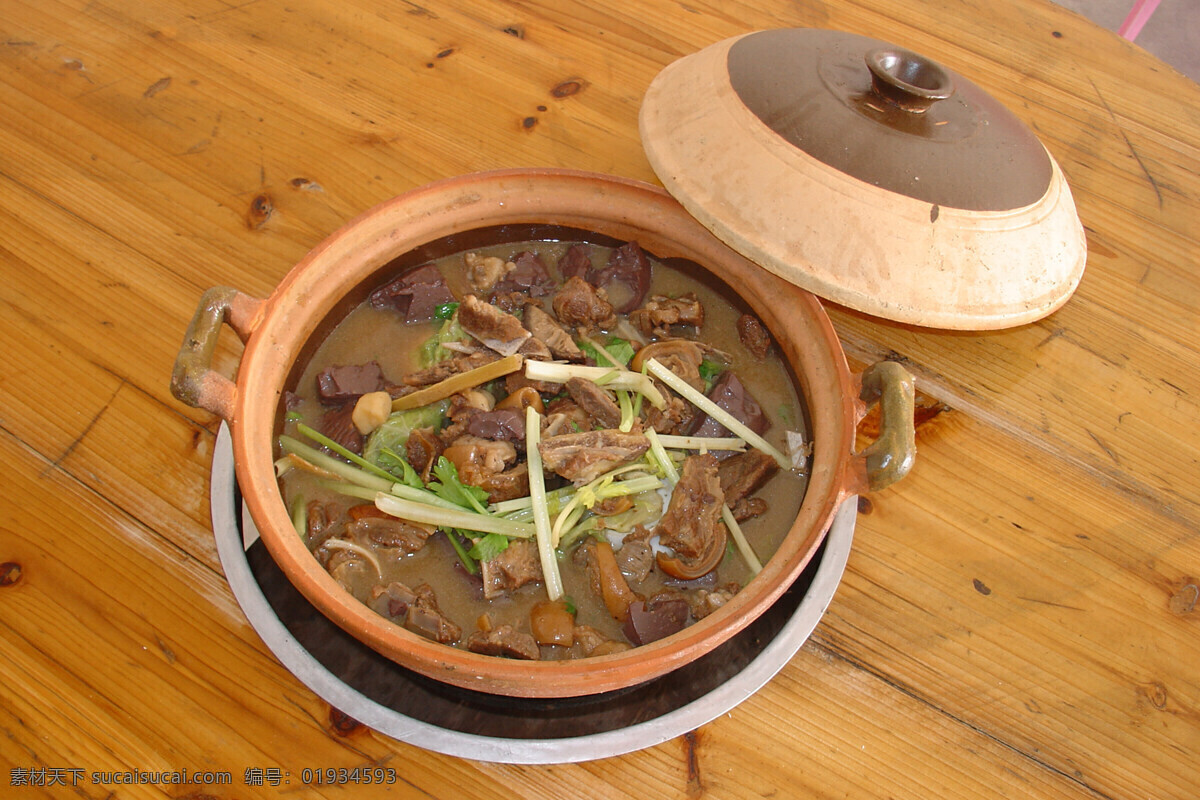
515	381
321	521
753	336
576	262
636	559
657	316
471	455
564	415
463	407
417	294
536	349
512	302
347	568
337	424
672	419
505	642
547	330
495	328
507	485
703	602
518	565
584	456
748	508
342	383
629	269
729	393
528	276
415	609
743	474
499	424
389	532
656	618
578	304
488	465
594	643
422	450
444	369
682	357
595	400
691	525
484	272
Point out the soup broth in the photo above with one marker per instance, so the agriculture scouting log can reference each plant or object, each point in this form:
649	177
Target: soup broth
656	512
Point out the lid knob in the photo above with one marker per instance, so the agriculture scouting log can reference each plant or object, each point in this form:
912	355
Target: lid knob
905	79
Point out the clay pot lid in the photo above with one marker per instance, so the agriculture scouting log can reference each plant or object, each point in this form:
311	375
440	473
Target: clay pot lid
868	175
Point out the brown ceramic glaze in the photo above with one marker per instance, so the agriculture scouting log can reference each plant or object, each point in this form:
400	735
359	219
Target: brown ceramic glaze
277	329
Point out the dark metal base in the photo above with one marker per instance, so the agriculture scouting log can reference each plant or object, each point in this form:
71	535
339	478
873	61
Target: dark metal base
408	706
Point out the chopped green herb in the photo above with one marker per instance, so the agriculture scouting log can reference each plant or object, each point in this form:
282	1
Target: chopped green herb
620	349
453	489
488	547
397	465
445	310
709	372
292	416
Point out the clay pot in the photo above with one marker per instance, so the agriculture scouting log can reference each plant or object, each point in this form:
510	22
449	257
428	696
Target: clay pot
338	273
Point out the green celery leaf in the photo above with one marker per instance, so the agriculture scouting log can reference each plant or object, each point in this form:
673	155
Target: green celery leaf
488	547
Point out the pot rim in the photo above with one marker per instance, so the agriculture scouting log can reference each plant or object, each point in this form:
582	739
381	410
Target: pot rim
630	210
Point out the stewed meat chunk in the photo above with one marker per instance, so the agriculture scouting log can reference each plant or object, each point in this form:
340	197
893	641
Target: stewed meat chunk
528	276
338	425
417	294
753	336
547	330
415	609
744	474
626	277
578	304
731	394
516	566
492	326
692	524
444	369
584	456
342	383
661	312
596	401
505	642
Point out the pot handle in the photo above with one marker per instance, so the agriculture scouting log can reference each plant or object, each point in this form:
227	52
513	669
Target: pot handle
194	381
891	455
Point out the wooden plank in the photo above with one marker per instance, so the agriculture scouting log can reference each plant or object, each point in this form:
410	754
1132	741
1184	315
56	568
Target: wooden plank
1053	616
108	626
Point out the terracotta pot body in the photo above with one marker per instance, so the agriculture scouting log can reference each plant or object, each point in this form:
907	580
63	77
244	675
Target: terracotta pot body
277	329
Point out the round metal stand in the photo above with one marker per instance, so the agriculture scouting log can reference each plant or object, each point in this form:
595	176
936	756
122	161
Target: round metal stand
411	708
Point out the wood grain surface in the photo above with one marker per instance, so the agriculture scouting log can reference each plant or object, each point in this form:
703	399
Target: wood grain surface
1018	617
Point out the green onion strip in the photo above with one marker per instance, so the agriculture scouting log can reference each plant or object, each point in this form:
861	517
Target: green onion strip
541	518
722	416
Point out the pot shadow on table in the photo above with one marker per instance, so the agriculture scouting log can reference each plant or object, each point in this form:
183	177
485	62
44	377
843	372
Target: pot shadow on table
516	718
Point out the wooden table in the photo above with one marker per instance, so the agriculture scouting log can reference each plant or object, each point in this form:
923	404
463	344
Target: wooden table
1018	617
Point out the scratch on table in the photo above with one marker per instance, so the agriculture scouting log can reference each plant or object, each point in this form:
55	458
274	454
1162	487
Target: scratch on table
1129	144
1104	446
87	429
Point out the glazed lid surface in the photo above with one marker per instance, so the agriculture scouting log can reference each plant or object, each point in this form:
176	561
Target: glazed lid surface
868	175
